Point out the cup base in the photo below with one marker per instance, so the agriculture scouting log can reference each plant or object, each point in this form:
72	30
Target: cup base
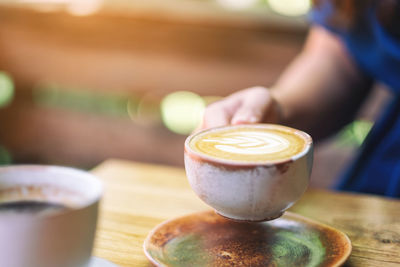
270	218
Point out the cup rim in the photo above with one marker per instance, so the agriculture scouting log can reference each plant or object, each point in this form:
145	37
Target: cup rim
69	171
203	157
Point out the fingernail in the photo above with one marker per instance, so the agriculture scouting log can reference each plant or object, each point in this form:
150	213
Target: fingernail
243	120
253	119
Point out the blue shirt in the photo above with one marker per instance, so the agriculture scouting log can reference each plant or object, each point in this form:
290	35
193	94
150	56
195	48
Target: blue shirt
376	52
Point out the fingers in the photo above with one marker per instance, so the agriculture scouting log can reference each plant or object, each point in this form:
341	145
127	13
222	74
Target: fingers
220	113
254	106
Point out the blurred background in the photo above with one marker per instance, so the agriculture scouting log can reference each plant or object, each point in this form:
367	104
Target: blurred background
82	81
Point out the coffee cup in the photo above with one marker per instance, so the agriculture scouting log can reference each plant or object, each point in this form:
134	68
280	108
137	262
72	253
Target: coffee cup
48	216
249	172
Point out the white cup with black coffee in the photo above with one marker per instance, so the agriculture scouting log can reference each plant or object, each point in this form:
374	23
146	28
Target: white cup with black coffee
249	172
48	216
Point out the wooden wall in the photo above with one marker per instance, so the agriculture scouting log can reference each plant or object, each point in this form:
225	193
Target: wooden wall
127	54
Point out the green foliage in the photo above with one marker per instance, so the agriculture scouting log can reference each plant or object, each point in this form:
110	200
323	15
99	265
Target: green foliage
6	89
354	134
83	100
5	156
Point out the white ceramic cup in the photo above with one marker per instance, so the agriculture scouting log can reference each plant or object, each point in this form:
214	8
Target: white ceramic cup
249	191
59	239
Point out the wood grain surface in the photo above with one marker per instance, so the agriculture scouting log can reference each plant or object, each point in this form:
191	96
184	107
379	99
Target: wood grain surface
140	196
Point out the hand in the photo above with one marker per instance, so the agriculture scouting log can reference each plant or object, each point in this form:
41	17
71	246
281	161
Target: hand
252	105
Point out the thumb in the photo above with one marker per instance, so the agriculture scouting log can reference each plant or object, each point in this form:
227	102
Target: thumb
255	103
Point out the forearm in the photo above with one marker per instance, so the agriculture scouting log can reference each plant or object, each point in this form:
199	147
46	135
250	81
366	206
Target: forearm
322	89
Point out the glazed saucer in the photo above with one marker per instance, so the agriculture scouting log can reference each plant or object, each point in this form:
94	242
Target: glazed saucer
207	239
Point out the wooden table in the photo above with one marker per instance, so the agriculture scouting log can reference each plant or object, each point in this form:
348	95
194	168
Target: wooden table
140	196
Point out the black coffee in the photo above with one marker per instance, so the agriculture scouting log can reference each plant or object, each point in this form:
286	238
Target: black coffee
31	207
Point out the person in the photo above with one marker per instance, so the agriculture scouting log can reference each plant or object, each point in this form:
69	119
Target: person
351	44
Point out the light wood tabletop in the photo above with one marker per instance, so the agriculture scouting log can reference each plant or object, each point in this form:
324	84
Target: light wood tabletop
140	196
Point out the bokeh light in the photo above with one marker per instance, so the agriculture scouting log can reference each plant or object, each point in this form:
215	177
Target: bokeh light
237	4
290	7
6	89
145	110
84	7
354	134
211	99
182	111
74	7
361	129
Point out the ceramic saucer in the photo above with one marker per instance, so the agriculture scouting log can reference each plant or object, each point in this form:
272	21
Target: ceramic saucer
98	262
207	239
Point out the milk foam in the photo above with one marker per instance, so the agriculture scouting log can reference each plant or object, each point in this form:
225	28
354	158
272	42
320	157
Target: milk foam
250	143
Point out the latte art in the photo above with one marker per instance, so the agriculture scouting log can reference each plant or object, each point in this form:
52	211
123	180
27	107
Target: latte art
257	143
250	143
